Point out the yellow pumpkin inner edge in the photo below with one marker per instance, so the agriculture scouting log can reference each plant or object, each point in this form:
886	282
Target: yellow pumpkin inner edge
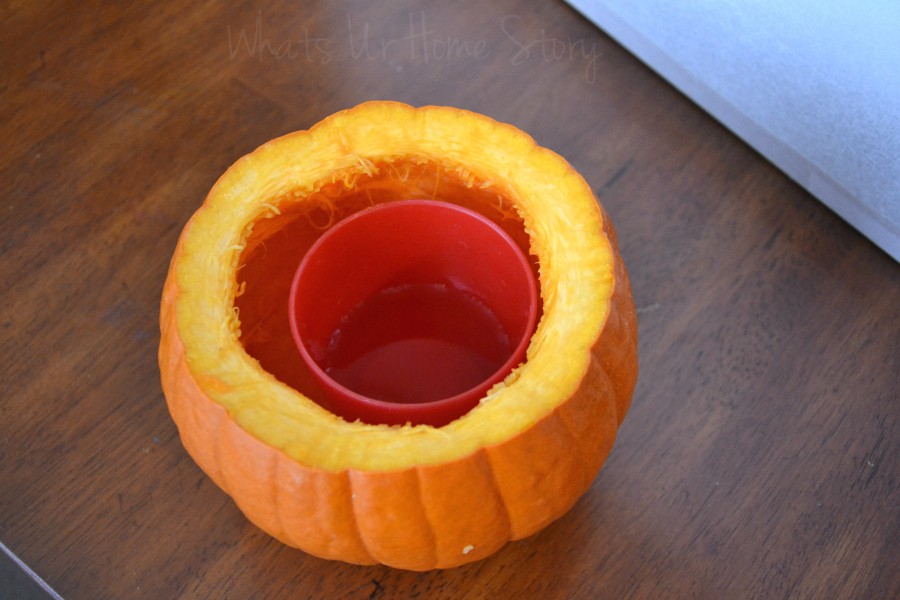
554	206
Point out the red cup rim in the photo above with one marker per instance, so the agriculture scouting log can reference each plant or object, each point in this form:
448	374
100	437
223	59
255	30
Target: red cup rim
395	409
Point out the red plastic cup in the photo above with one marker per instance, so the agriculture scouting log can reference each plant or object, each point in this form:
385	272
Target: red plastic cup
410	311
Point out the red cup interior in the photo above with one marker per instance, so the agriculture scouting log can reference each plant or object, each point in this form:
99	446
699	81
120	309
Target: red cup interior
411	310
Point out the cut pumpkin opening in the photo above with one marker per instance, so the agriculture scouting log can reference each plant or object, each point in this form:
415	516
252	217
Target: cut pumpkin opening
276	243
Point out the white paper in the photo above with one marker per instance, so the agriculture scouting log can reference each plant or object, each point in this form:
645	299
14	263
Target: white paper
814	86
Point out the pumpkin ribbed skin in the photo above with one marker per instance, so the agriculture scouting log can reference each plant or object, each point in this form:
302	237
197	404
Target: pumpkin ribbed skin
413	497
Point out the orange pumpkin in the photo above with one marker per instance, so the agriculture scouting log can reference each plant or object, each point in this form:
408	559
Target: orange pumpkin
413	497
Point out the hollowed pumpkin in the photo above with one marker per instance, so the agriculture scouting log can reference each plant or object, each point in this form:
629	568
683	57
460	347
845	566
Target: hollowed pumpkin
413	497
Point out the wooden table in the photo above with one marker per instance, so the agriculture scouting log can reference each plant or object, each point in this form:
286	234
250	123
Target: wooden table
760	456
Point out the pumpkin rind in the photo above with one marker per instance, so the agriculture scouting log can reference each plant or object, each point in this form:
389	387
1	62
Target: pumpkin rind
411	497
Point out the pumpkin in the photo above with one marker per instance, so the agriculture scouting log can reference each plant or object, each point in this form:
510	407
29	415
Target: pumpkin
415	496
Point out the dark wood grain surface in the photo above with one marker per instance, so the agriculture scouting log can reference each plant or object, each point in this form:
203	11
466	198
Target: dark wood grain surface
760	456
